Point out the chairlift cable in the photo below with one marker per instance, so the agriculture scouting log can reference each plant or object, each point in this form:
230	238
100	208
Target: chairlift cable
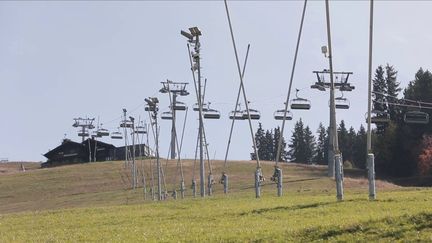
409	100
405	105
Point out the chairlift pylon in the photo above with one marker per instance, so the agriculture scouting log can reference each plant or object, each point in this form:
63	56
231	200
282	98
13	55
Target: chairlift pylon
300	103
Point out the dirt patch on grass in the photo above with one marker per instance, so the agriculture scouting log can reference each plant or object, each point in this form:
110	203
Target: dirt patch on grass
16	167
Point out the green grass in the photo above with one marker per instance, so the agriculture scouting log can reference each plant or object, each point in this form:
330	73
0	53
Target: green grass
397	215
91	203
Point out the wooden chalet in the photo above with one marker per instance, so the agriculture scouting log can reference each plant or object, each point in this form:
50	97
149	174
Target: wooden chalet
90	150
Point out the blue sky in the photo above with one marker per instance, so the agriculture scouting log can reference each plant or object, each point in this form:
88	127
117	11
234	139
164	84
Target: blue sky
60	60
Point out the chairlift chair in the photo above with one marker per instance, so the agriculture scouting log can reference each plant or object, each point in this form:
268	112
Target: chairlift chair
254	114
378	117
236	115
416	117
95	134
204	107
163	90
318	86
279	115
150	108
342	103
126	124
101	132
166	115
83	134
300	103
184	93
211	114
116	135
179	106
140	130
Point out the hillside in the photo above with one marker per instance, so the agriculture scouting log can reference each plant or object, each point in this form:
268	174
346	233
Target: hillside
92	202
107	183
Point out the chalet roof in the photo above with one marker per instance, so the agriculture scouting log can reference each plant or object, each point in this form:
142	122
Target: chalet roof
99	143
65	144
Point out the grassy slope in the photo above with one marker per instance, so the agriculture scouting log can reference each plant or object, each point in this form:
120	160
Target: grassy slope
307	211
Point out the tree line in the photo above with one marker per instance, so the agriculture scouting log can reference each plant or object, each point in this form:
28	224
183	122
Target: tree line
305	147
401	149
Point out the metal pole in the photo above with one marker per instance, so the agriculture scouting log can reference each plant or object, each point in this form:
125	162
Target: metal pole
173	132
258	168
201	152
134	170
279	181
194	188
125	137
337	157
224	173
279	147
158	165
370	155
258	176
225	182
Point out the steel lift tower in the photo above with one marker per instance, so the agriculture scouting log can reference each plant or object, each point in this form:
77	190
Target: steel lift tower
175	89
322	85
193	36
85	124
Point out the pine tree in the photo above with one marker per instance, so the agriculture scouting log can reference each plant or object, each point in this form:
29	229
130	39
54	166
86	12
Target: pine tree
269	148
380	90
349	153
393	90
296	151
283	153
343	139
327	146
359	148
320	147
259	140
310	145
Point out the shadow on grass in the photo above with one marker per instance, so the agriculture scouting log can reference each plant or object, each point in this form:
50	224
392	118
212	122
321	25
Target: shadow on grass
284	182
295	207
390	227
